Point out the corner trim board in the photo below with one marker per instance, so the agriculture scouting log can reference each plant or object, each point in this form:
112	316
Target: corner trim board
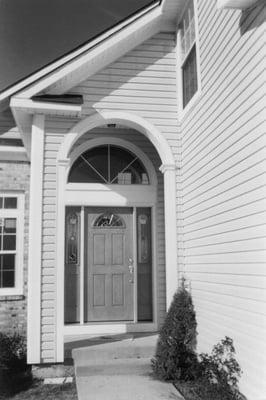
35	242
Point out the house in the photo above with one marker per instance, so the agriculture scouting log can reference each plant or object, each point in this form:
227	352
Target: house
131	162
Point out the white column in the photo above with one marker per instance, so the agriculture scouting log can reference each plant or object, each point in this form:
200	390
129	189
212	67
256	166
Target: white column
60	257
171	267
35	241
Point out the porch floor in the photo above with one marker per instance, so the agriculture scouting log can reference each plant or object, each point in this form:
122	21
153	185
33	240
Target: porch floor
118	368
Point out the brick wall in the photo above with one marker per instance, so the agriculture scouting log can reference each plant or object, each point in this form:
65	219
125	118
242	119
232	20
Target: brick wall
15	176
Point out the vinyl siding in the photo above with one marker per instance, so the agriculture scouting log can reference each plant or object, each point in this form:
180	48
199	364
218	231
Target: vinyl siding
55	131
223	189
142	82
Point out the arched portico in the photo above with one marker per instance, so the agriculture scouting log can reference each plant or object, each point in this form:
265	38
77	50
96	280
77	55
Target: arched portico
168	169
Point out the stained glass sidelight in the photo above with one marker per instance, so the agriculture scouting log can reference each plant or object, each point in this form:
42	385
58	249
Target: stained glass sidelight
72	236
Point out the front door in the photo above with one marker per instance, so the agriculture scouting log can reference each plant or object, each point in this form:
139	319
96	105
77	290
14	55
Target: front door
109	272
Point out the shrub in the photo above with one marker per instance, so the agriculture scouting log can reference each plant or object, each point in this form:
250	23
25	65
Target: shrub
175	357
15	374
221	371
13	352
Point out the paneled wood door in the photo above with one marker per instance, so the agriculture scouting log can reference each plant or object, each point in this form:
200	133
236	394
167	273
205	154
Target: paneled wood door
109	274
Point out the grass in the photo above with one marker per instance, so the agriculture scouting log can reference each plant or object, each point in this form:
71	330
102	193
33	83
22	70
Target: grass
39	391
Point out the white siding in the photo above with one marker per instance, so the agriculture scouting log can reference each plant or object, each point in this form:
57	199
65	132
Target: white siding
223	189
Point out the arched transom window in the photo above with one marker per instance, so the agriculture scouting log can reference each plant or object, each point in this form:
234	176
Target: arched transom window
108	164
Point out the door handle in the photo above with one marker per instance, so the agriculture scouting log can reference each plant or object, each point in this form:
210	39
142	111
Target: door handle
131	270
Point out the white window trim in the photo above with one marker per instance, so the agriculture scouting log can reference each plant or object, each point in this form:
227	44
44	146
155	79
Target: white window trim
17	213
184	110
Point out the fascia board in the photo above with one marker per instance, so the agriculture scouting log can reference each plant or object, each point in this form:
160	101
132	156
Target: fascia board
98	57
31	107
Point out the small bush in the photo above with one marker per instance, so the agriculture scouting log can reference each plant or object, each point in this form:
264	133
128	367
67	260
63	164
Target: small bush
175	357
14	371
13	352
221	371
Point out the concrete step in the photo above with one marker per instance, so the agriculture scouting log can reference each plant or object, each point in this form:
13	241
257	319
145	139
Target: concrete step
126	366
95	352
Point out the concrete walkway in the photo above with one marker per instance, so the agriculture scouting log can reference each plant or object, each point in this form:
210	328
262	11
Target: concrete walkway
119	370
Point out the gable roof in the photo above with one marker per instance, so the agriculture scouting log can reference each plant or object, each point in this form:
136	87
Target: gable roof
156	16
34	35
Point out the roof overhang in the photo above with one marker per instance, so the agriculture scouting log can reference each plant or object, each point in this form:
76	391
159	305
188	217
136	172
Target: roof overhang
168	10
85	62
23	110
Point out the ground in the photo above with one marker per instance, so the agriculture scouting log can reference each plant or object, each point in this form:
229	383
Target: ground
39	391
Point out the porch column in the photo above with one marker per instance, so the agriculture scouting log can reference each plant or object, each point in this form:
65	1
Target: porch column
62	165
35	241
170	218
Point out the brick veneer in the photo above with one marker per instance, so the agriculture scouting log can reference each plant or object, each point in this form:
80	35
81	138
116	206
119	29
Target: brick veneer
15	176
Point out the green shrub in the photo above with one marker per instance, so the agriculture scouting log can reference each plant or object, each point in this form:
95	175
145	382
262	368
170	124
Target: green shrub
15	374
175	357
13	352
220	370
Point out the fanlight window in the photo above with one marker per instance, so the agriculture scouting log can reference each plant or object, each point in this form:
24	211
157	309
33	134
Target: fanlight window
109	220
110	165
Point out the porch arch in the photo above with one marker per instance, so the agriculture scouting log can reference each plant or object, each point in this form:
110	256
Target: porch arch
168	168
116	117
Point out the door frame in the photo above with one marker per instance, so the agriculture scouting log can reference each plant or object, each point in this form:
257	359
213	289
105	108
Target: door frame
133	196
120	326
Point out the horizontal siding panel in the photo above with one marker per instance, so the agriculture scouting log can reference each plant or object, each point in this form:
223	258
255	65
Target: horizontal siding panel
245	256
257	244
214	207
256	282
227	214
248	269
244	319
247	180
217	151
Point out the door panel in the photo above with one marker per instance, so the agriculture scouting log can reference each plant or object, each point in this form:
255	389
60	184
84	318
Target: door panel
108	247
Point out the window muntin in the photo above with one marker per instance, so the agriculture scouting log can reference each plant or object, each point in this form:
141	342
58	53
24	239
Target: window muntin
108	164
188	47
109	220
11	252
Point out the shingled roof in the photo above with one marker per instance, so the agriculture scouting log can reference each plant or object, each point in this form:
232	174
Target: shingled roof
35	33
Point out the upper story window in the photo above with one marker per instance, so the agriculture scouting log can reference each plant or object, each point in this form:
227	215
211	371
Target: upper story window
11	249
108	164
188	56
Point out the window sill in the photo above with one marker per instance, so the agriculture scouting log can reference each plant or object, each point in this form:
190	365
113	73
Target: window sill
11	294
195	99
